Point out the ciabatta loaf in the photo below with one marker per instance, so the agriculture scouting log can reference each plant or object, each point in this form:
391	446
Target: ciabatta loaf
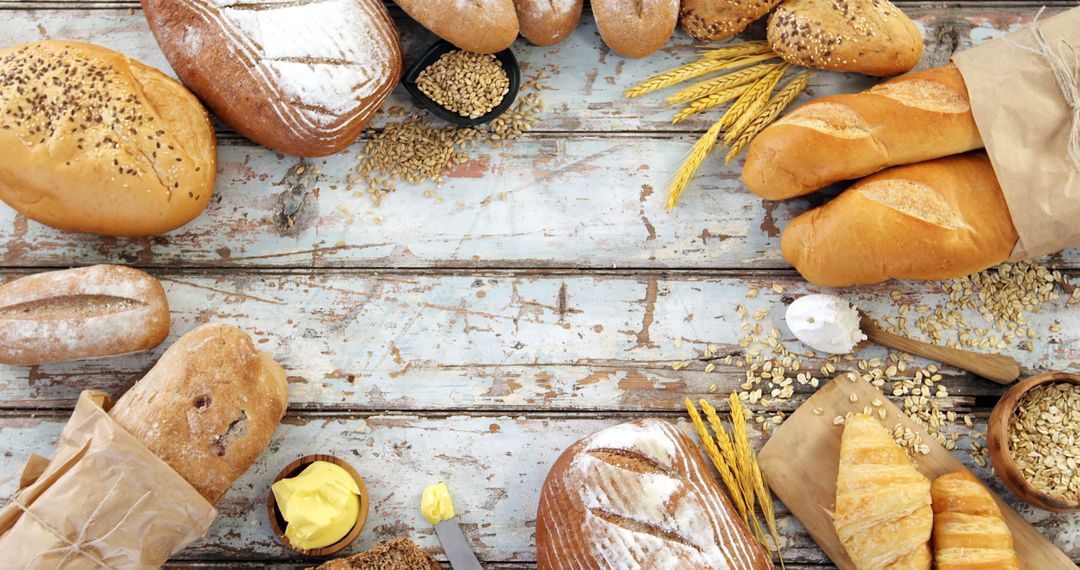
916	117
208	407
939	219
87	312
872	37
96	142
481	26
709	20
639	495
969	530
547	22
635	28
301	77
883	515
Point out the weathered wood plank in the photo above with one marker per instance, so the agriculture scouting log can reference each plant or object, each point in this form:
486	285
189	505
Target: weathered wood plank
556	199
494	465
360	341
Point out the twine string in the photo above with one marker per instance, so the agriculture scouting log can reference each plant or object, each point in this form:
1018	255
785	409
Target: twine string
1067	76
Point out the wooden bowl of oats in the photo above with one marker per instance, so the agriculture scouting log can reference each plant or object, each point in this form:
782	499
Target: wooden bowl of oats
1034	441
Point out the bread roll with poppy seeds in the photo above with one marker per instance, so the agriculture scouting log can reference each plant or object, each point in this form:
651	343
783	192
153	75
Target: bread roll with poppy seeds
96	142
208	407
939	219
710	20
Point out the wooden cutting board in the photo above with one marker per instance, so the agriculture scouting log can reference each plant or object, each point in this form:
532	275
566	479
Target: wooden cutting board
801	460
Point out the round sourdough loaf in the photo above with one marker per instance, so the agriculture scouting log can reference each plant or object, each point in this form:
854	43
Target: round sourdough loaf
635	28
96	142
303	78
481	26
547	22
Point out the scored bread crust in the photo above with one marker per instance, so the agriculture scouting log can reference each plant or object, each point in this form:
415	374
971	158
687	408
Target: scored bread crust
481	26
916	117
639	495
872	37
208	407
709	20
88	312
547	22
635	28
96	142
939	219
303	78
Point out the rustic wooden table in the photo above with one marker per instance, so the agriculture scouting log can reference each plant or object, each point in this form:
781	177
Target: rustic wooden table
471	335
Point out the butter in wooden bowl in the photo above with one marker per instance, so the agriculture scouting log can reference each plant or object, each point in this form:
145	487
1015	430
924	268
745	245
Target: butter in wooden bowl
322	504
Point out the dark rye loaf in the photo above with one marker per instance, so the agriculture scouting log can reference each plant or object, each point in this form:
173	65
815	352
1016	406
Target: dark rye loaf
301	77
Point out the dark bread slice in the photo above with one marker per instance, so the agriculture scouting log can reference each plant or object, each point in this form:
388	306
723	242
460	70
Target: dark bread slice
397	554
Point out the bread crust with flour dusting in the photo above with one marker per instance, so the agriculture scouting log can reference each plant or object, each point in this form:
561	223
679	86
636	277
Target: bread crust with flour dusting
299	76
639	495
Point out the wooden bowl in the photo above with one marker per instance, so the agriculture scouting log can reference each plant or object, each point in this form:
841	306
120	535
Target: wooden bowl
997	441
278	524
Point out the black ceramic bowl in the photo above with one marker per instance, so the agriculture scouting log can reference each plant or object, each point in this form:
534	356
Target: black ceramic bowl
506	59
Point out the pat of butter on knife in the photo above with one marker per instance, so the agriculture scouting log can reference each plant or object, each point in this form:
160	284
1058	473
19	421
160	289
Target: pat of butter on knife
438	509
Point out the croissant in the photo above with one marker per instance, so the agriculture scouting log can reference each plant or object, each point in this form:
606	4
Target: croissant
883	515
969	531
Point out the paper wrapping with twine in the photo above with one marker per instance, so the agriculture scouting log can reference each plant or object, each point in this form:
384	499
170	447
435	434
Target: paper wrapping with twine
102	501
1025	119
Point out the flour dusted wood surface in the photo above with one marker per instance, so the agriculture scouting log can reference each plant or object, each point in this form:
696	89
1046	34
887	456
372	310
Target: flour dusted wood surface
535	203
471	335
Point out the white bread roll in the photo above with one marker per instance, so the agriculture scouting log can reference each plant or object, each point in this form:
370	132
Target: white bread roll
639	495
89	312
917	117
547	22
208	407
635	28
97	142
872	37
481	26
940	219
303	78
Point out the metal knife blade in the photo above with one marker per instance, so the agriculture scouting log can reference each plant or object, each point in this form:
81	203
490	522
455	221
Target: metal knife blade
455	546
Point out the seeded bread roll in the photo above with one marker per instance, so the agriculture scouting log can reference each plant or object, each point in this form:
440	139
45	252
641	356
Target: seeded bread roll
639	495
919	116
547	22
303	78
89	312
397	554
708	20
97	142
208	407
635	28
482	26
939	219
863	36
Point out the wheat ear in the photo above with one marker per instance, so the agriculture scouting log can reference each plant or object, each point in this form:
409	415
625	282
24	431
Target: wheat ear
754	98
714	100
767	115
722	467
718	84
693	162
738	49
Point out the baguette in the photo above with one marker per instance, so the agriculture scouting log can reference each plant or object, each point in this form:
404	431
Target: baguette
940	219
639	495
969	531
89	312
635	28
481	26
208	407
547	22
917	117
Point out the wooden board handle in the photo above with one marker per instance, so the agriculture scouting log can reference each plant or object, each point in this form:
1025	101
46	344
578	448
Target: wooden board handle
1000	369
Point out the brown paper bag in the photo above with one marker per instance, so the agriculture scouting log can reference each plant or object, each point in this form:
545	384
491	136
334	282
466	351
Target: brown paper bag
1025	120
103	501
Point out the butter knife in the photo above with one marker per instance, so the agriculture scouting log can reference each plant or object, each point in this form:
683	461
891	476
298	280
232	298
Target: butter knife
455	546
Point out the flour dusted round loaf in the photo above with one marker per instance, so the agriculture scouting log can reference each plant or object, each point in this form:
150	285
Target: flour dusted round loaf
481	26
938	219
635	28
303	78
208	407
639	495
547	22
864	36
96	142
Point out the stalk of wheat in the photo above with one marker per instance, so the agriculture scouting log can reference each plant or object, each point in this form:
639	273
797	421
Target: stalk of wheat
724	82
767	115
